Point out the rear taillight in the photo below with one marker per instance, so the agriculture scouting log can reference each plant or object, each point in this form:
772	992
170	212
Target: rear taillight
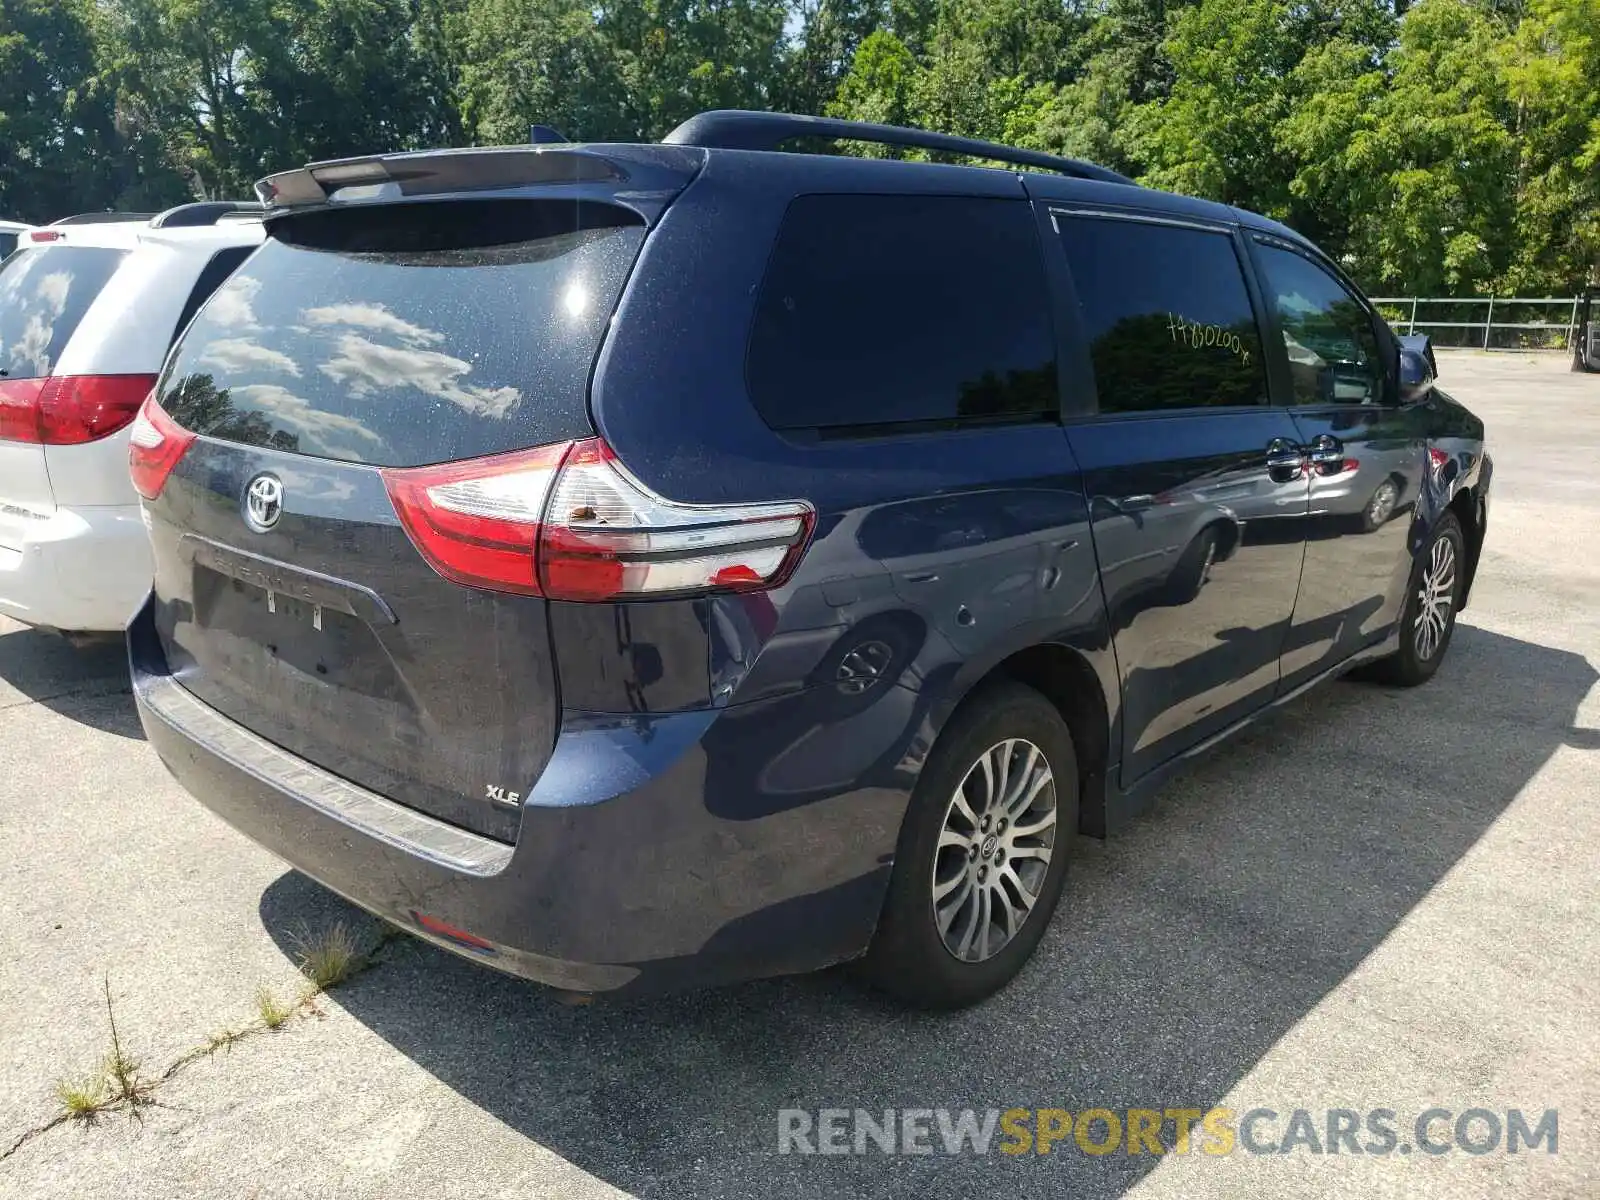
477	522
156	443
19	409
569	522
69	410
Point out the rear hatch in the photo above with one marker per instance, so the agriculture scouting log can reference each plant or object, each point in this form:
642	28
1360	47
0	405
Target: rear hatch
44	292
358	343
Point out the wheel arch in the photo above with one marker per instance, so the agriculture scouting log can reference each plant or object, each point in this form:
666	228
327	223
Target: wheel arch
1065	677
1467	506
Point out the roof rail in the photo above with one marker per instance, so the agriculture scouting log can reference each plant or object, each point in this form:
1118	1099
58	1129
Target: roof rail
102	218
737	129
206	212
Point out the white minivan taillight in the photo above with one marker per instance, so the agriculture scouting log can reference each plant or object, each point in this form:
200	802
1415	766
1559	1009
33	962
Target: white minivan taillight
569	522
70	410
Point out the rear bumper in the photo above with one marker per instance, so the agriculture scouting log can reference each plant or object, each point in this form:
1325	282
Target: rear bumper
73	569
630	872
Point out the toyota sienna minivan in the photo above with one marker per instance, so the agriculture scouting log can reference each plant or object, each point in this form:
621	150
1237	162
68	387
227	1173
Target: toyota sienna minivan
650	566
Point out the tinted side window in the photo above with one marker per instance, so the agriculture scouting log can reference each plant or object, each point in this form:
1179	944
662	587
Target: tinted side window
43	296
1166	313
1332	348
886	310
223	263
8	243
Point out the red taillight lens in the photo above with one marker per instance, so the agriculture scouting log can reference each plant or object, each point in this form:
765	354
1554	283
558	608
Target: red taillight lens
156	444
74	409
69	410
19	409
46	235
568	522
477	522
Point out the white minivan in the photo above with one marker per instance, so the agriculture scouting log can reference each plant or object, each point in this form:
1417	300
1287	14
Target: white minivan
87	315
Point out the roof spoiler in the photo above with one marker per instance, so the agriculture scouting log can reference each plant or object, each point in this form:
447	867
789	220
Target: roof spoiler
737	129
206	212
642	177
430	173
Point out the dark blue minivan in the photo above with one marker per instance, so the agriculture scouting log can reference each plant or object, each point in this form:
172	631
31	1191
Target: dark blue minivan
645	566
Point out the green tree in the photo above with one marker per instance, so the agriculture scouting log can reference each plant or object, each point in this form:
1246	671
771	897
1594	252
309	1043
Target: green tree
828	36
62	146
981	68
1417	155
1125	65
344	83
237	89
883	85
1235	85
1552	74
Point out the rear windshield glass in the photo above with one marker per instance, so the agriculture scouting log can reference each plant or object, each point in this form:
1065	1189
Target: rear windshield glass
410	334
43	295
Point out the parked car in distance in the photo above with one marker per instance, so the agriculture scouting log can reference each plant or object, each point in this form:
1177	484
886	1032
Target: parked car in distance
88	311
646	566
10	231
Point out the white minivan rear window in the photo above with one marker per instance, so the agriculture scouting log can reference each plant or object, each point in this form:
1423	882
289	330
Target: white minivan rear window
44	293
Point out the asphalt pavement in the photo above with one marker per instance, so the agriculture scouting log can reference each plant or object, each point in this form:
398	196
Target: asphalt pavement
1379	899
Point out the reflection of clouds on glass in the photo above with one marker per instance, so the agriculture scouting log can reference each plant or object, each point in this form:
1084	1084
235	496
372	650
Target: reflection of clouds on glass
1296	305
233	304
53	289
374	317
44	305
230	355
365	366
319	432
31	352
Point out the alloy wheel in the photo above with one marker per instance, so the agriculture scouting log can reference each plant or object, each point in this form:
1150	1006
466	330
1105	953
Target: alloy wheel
1382	504
1436	597
994	849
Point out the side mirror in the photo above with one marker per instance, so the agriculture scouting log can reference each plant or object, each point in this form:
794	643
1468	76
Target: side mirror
1416	375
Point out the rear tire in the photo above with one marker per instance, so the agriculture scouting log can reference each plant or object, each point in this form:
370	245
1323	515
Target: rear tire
971	896
1433	595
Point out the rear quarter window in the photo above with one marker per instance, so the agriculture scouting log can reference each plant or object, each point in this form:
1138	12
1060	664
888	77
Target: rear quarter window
43	296
408	334
903	310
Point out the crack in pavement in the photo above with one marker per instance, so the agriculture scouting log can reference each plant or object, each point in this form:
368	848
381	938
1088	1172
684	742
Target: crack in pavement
305	1005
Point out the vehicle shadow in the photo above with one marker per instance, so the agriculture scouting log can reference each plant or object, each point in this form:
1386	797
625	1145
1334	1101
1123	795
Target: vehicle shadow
71	680
1182	951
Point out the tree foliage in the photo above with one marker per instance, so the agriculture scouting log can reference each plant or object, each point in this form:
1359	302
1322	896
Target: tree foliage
1441	145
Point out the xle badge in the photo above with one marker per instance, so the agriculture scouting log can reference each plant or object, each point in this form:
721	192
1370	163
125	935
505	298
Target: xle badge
499	795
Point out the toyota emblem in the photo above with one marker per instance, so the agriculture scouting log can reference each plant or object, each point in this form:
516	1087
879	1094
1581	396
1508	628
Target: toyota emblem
263	502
